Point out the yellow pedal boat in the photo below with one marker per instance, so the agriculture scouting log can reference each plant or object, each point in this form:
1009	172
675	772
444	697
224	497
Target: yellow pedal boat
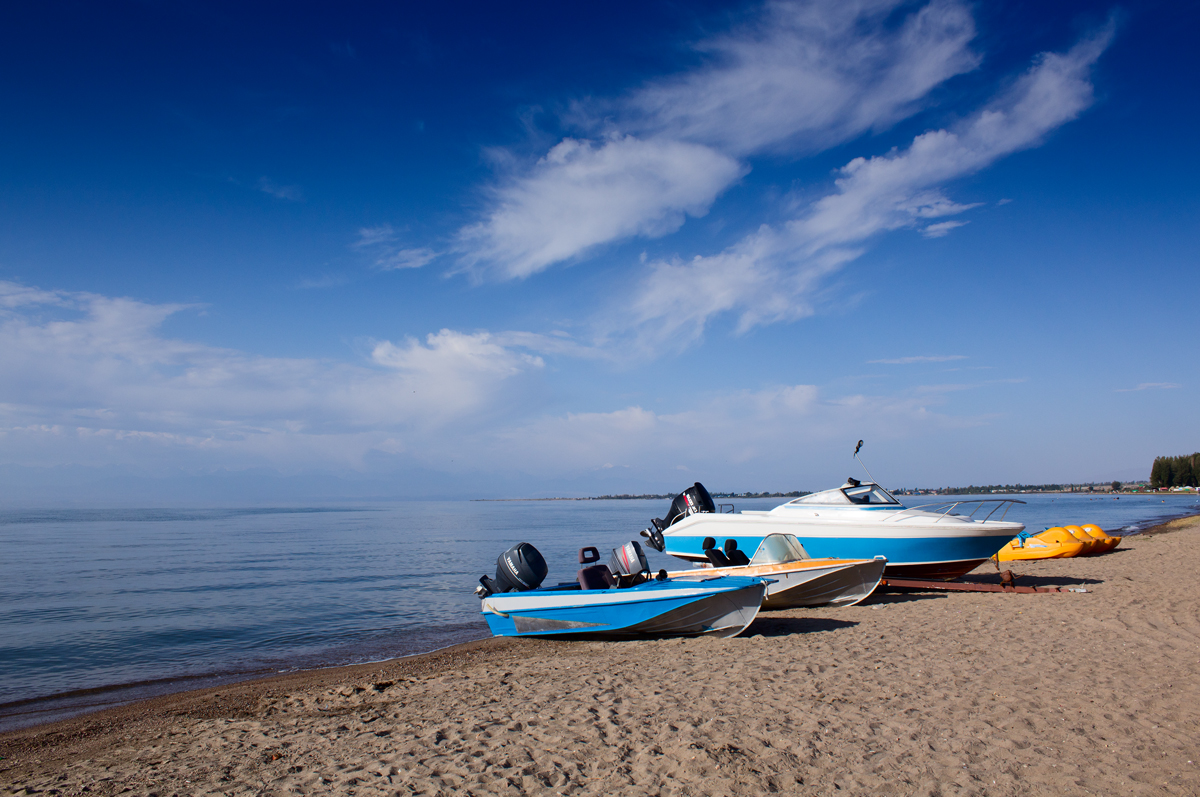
1107	541
1055	543
1091	545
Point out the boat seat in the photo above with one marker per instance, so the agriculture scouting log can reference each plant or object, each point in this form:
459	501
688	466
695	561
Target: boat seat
710	550
735	556
594	576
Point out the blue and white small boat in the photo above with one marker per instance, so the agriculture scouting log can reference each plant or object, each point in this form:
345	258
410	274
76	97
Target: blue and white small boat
612	602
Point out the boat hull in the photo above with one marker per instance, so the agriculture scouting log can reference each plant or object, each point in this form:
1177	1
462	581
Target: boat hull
812	582
692	606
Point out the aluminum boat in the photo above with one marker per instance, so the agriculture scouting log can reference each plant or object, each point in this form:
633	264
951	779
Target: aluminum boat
799	580
615	602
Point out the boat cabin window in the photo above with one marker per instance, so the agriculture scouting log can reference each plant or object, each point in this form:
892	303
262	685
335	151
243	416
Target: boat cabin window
868	494
777	549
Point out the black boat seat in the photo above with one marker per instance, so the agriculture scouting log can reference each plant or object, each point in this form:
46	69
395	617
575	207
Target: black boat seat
596	577
710	550
735	556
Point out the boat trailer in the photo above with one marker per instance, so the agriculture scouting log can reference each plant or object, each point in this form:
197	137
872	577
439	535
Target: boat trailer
1006	584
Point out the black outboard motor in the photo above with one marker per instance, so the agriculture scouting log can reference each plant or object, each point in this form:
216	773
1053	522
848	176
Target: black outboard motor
692	500
518	569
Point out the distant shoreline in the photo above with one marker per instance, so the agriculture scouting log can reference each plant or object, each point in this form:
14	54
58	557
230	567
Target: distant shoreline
798	494
664	497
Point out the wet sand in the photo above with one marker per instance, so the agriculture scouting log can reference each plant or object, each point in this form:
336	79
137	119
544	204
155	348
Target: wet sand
914	693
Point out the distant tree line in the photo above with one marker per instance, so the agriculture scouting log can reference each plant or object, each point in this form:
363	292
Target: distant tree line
1175	471
792	494
987	488
628	497
974	489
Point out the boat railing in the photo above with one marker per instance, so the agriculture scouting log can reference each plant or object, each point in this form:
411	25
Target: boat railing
979	504
721	509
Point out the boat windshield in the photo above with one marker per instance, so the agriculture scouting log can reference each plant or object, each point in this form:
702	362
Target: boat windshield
777	549
868	494
824	498
856	494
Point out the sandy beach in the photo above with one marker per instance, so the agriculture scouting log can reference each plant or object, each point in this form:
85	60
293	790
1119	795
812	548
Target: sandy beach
915	693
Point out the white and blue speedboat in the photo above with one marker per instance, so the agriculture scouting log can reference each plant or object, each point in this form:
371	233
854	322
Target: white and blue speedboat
614	602
859	520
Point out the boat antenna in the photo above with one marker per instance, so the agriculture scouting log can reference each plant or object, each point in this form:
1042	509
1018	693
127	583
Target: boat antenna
857	448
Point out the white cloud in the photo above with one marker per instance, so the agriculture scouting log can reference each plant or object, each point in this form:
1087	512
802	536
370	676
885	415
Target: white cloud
91	380
13	295
931	358
406	258
1150	386
584	193
373	236
455	372
774	273
941	229
98	368
798	78
382	244
292	193
741	433
805	76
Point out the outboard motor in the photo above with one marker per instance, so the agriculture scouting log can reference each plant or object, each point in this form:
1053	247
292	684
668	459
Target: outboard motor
654	535
691	501
518	569
629	563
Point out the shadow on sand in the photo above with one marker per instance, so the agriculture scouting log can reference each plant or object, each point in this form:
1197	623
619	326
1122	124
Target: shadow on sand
1031	581
885	595
767	625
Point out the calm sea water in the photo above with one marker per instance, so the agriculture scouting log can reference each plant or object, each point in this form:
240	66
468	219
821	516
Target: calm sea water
104	606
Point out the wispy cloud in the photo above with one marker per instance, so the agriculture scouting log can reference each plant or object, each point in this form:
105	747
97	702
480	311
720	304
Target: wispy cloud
101	367
375	236
801	77
292	193
584	193
101	384
326	281
14	295
741	428
798	78
1150	386
774	273
928	358
406	258
941	229
382	243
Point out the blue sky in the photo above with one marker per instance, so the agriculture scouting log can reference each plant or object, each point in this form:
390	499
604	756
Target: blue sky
474	250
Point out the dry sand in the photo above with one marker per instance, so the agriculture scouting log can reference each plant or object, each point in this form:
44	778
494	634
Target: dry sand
919	693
